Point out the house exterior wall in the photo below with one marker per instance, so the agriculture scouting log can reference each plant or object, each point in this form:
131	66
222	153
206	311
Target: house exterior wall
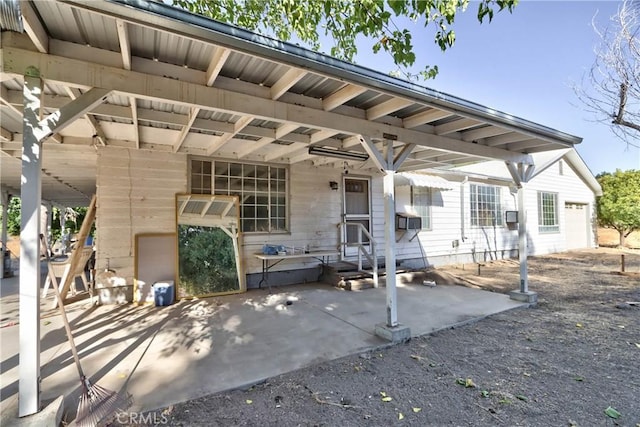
136	194
452	239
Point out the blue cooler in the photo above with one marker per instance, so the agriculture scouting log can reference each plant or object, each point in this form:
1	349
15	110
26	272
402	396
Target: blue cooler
163	293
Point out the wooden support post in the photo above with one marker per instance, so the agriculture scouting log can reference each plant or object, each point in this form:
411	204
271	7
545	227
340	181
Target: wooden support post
29	300
5	199
76	253
390	238
522	240
622	263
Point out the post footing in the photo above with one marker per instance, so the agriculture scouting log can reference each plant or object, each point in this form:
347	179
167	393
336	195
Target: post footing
528	297
395	334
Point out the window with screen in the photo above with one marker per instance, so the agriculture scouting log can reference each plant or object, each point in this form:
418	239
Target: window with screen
421	202
262	190
486	207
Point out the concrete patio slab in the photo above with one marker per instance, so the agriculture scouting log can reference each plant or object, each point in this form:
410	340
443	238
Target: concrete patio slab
165	355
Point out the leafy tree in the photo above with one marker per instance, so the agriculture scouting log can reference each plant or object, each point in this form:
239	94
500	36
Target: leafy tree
13	217
343	21
619	205
206	260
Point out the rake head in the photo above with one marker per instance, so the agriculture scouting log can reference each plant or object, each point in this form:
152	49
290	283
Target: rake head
98	406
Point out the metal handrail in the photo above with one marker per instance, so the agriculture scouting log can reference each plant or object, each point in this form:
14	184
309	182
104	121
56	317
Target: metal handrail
371	256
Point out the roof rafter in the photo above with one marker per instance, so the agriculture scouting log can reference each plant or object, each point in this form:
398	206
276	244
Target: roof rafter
341	96
286	82
97	130
387	107
84	74
34	28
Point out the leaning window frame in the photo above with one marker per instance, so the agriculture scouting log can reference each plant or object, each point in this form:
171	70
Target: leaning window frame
429	211
287	208
548	228
498	208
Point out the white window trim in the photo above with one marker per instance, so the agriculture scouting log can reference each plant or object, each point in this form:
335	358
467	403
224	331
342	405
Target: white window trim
548	229
499	211
428	207
213	189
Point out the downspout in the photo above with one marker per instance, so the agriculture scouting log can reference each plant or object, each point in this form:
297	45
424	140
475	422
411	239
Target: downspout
462	184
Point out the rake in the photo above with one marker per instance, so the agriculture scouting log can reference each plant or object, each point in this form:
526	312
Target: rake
97	405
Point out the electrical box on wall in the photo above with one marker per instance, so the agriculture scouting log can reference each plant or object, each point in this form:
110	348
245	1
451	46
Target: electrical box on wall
405	221
511	217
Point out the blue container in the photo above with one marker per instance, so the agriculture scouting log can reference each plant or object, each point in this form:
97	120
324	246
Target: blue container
163	293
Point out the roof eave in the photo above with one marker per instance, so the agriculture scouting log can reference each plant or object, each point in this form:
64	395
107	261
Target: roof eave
215	32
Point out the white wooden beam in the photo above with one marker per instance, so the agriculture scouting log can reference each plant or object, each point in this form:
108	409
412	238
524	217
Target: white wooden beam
505	139
33	27
134	118
215	65
254	146
284	83
390	237
455	126
402	155
85	74
97	130
387	107
484	132
240	124
30	279
193	114
5	135
423	117
125	45
285	129
374	153
55	122
341	96
321	135
283	150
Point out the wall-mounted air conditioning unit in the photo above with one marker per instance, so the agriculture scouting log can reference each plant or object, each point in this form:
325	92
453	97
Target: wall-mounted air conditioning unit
406	221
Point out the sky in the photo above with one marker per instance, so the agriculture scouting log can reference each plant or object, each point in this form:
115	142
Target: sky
526	64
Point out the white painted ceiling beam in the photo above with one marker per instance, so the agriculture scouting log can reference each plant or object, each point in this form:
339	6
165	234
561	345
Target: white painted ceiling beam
341	96
286	82
85	74
254	146
125	45
240	124
215	65
34	28
387	107
134	118
5	135
193	114
455	126
56	121
97	130
505	139
485	132
423	117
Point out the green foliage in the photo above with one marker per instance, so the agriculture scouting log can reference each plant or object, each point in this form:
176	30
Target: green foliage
206	260
13	217
619	205
343	21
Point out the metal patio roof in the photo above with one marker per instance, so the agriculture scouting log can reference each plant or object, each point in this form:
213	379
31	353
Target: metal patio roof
184	83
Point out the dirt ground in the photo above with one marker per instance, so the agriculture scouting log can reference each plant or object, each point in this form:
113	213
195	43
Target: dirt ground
566	362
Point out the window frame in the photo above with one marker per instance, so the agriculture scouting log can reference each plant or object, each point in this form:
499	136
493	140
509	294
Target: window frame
246	181
427	215
548	228
475	201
